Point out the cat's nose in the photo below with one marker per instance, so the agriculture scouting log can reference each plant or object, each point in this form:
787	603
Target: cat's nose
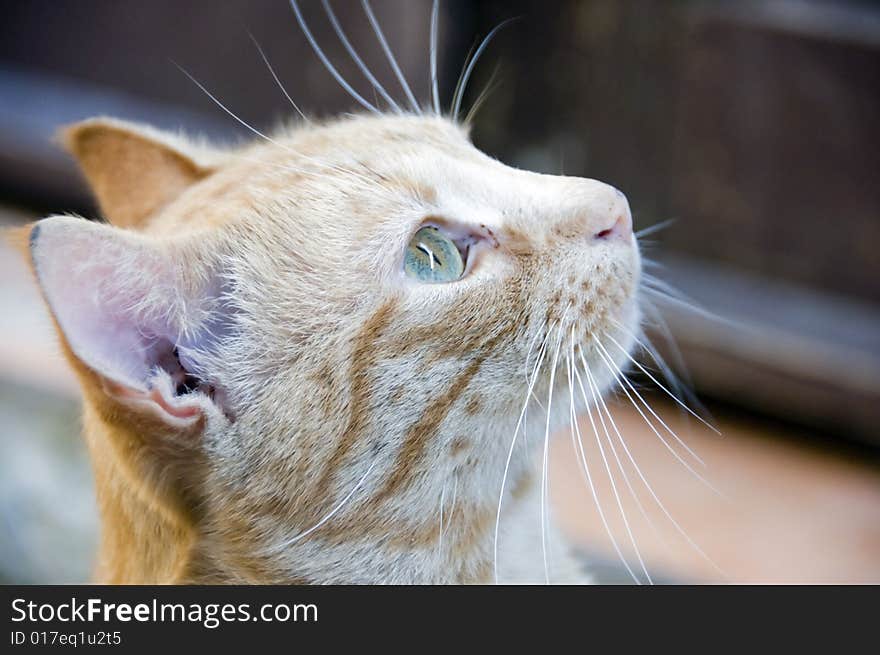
621	228
616	223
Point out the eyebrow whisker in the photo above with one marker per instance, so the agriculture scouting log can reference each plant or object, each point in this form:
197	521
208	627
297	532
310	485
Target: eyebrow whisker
357	59
459	92
390	56
435	94
277	80
329	66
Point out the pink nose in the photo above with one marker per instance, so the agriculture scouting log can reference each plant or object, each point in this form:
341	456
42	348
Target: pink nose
622	228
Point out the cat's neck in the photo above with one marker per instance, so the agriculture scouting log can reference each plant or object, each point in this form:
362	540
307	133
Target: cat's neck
147	539
143	540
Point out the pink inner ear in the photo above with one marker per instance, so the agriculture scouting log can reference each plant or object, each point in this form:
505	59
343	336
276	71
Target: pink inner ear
181	409
116	299
104	287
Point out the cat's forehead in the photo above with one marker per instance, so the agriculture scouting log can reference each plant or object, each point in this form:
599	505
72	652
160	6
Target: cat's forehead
365	134
401	156
386	149
362	167
317	167
382	174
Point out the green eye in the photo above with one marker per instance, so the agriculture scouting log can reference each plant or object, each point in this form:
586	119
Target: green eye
433	257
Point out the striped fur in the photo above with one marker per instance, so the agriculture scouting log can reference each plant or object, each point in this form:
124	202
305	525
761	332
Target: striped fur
336	378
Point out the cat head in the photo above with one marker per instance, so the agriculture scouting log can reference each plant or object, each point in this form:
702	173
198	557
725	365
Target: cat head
299	346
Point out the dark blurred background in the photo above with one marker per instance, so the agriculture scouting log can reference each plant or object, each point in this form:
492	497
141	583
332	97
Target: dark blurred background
753	125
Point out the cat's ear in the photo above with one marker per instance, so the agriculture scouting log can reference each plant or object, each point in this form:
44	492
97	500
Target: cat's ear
137	323
133	170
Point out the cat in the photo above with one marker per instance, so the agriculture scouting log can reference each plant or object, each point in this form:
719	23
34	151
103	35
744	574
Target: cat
308	359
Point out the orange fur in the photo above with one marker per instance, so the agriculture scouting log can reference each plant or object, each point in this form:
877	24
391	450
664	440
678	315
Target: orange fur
335	360
132	175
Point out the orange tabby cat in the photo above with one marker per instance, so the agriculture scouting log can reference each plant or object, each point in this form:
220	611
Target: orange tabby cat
308	359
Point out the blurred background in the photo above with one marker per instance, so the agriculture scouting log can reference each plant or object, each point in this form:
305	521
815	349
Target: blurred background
751	126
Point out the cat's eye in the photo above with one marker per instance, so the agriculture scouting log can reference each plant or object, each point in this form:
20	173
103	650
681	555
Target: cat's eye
433	257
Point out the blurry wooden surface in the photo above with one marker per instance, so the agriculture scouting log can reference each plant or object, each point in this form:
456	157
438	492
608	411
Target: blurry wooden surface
807	356
789	512
775	162
751	123
121	58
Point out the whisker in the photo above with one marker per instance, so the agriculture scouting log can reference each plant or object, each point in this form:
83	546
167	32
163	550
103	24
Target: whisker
597	399
459	94
464	66
491	85
585	468
531	347
681	389
324	60
356	58
648	407
391	60
277	81
330	514
519	421
659	436
657	382
533	396
665	287
667	293
666	297
363	179
225	108
656	227
440	533
650	489
529	355
544	483
661	325
633	493
452	504
435	19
